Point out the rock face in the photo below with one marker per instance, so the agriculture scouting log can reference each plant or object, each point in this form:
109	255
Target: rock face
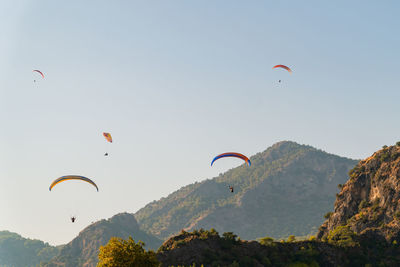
369	203
287	190
83	250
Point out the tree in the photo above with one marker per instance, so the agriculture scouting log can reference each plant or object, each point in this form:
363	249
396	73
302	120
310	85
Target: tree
266	241
229	236
291	239
120	252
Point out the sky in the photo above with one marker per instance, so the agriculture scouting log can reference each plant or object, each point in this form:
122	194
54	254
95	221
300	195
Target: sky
176	83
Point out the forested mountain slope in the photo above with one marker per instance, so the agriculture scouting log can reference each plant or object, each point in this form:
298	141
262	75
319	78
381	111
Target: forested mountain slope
287	190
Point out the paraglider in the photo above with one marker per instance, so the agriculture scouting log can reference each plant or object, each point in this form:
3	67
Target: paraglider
73	218
72	177
231	188
38	71
283	67
232	154
108	137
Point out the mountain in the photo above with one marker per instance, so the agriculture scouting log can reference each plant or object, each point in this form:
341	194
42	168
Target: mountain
363	229
17	251
83	250
369	203
287	190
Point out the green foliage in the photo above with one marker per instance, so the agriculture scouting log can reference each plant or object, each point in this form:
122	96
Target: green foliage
18	251
340	186
353	173
274	169
397	215
328	215
302	264
266	241
343	237
385	156
398	143
291	238
119	252
385	146
229	236
375	205
363	204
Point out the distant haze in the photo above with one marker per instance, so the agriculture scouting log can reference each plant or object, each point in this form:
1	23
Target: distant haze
176	83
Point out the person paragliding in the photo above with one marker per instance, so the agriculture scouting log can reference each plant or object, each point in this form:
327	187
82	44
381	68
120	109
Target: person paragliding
41	73
231	188
109	139
283	67
73	218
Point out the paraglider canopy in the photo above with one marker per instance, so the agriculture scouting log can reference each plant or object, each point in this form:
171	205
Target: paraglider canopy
72	177
232	154
108	137
41	73
283	67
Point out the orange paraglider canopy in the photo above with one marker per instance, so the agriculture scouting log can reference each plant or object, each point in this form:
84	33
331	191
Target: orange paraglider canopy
108	137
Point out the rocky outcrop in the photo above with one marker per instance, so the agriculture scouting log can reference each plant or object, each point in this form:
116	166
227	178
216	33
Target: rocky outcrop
369	202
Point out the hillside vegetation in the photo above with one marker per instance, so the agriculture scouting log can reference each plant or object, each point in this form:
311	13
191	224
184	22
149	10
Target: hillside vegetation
287	190
83	250
16	251
363	229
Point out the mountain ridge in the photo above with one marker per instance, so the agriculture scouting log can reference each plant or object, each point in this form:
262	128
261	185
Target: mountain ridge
198	205
83	249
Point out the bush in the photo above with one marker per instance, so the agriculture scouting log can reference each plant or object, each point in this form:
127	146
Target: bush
385	156
328	215
291	238
384	147
266	241
120	252
229	236
363	204
343	236
398	143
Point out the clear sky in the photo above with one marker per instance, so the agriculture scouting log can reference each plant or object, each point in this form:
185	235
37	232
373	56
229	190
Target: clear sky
175	83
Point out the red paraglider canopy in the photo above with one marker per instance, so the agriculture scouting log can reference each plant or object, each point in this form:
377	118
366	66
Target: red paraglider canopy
38	71
283	67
